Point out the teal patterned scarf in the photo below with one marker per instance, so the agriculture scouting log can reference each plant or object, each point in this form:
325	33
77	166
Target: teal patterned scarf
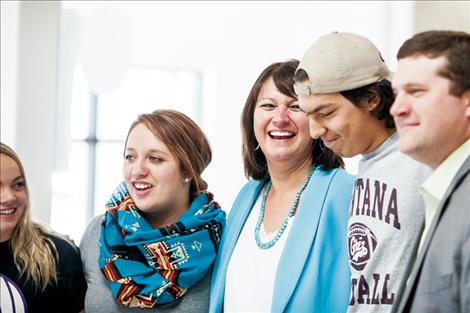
147	267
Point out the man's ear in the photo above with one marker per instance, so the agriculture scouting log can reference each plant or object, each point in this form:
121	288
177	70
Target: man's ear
373	103
466	100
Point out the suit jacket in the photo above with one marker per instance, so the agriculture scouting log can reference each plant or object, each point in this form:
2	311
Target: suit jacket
440	278
313	273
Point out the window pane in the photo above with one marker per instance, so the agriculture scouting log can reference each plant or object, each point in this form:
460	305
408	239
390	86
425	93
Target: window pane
80	108
109	157
70	194
144	90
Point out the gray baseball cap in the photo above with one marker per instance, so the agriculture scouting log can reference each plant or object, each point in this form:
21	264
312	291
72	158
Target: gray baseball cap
341	61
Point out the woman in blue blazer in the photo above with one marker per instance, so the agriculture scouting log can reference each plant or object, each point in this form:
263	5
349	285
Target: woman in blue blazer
284	247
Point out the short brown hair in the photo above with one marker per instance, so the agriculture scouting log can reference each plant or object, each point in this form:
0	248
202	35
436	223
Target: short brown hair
184	138
253	158
454	45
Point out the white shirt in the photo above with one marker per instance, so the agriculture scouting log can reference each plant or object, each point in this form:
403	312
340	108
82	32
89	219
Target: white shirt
251	271
434	188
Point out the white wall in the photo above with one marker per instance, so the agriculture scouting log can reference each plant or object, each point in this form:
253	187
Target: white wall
450	15
30	96
233	42
230	42
9	51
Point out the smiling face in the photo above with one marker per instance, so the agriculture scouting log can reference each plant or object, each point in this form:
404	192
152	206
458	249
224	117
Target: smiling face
154	178
345	128
13	196
431	122
280	127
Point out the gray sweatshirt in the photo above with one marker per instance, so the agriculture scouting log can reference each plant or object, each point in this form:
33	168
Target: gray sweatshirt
99	298
386	219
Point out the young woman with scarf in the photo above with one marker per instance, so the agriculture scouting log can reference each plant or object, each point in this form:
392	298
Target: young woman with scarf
155	245
40	270
284	249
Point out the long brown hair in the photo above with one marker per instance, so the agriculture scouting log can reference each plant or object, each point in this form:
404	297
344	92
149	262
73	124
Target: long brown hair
253	158
34	253
184	138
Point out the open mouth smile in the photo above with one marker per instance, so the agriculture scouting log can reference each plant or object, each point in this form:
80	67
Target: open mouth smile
141	186
281	135
8	211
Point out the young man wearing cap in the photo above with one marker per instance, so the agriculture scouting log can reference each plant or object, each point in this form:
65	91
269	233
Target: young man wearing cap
432	113
343	87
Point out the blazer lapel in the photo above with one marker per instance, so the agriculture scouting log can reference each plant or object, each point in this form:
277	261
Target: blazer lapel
237	218
411	287
301	238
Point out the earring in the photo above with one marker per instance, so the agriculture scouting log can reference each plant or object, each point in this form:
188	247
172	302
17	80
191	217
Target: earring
257	148
186	180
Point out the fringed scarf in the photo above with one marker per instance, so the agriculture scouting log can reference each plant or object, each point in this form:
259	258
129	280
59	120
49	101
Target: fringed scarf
147	267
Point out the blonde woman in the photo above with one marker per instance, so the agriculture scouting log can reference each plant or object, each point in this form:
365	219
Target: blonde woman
40	271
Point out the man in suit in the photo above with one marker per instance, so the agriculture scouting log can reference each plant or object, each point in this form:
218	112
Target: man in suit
432	114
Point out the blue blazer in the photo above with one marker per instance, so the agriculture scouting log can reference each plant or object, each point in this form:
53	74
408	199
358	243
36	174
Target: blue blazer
313	273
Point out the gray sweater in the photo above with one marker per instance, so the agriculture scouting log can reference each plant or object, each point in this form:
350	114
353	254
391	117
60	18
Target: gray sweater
99	297
385	223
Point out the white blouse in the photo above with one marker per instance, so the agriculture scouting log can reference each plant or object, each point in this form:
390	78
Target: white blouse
251	271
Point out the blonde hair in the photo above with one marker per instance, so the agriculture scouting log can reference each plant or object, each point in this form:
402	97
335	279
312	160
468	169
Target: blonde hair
34	253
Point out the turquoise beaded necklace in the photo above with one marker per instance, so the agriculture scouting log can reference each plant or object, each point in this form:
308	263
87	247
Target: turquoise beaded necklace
280	231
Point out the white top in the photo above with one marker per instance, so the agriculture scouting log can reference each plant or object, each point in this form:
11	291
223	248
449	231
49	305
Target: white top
385	222
434	188
251	271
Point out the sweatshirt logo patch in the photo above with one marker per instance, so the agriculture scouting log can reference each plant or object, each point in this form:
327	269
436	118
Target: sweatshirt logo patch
361	243
11	296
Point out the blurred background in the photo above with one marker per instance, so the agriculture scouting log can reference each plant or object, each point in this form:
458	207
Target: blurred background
74	75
